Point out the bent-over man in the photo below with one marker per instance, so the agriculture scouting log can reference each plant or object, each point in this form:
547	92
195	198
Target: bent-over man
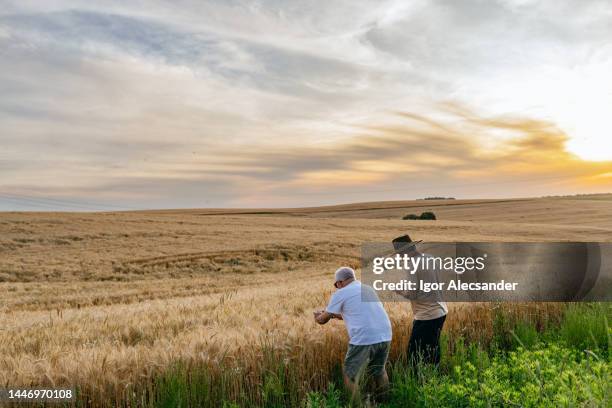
368	327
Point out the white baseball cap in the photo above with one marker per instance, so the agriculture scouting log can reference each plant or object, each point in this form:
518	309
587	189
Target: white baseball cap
344	273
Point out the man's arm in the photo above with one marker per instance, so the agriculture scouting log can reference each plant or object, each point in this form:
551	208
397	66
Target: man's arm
331	311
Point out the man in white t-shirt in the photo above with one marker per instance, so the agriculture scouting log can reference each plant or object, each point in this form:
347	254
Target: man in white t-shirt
368	327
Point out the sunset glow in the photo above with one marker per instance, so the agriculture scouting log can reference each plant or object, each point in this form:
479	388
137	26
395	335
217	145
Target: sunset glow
216	104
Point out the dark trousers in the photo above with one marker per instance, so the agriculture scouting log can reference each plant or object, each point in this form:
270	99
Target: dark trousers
424	344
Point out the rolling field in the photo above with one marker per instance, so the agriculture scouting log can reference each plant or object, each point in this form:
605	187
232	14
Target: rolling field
110	302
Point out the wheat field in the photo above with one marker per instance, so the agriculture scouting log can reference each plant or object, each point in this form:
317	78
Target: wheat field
108	302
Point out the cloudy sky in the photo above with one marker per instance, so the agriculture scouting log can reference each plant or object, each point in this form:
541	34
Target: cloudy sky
230	103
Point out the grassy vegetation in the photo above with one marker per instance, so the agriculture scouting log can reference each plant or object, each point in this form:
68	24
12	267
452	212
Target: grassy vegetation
547	375
565	365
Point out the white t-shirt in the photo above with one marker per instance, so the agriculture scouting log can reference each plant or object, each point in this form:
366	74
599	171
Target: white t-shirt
366	321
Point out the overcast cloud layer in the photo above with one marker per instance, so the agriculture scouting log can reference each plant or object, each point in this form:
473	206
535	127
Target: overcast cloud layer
152	104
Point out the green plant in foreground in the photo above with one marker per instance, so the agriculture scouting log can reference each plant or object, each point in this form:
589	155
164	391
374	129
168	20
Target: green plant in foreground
548	376
586	326
331	399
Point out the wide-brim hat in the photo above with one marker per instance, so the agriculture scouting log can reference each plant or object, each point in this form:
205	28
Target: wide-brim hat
404	243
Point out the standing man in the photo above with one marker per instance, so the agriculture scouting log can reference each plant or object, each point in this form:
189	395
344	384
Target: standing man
428	311
368	327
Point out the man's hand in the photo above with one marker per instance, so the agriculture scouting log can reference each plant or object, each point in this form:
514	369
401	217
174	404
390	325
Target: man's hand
322	317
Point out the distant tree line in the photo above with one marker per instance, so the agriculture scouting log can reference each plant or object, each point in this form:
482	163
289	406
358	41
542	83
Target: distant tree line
427	215
436	198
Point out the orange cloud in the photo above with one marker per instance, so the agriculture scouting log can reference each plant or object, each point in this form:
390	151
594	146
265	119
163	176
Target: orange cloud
431	154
